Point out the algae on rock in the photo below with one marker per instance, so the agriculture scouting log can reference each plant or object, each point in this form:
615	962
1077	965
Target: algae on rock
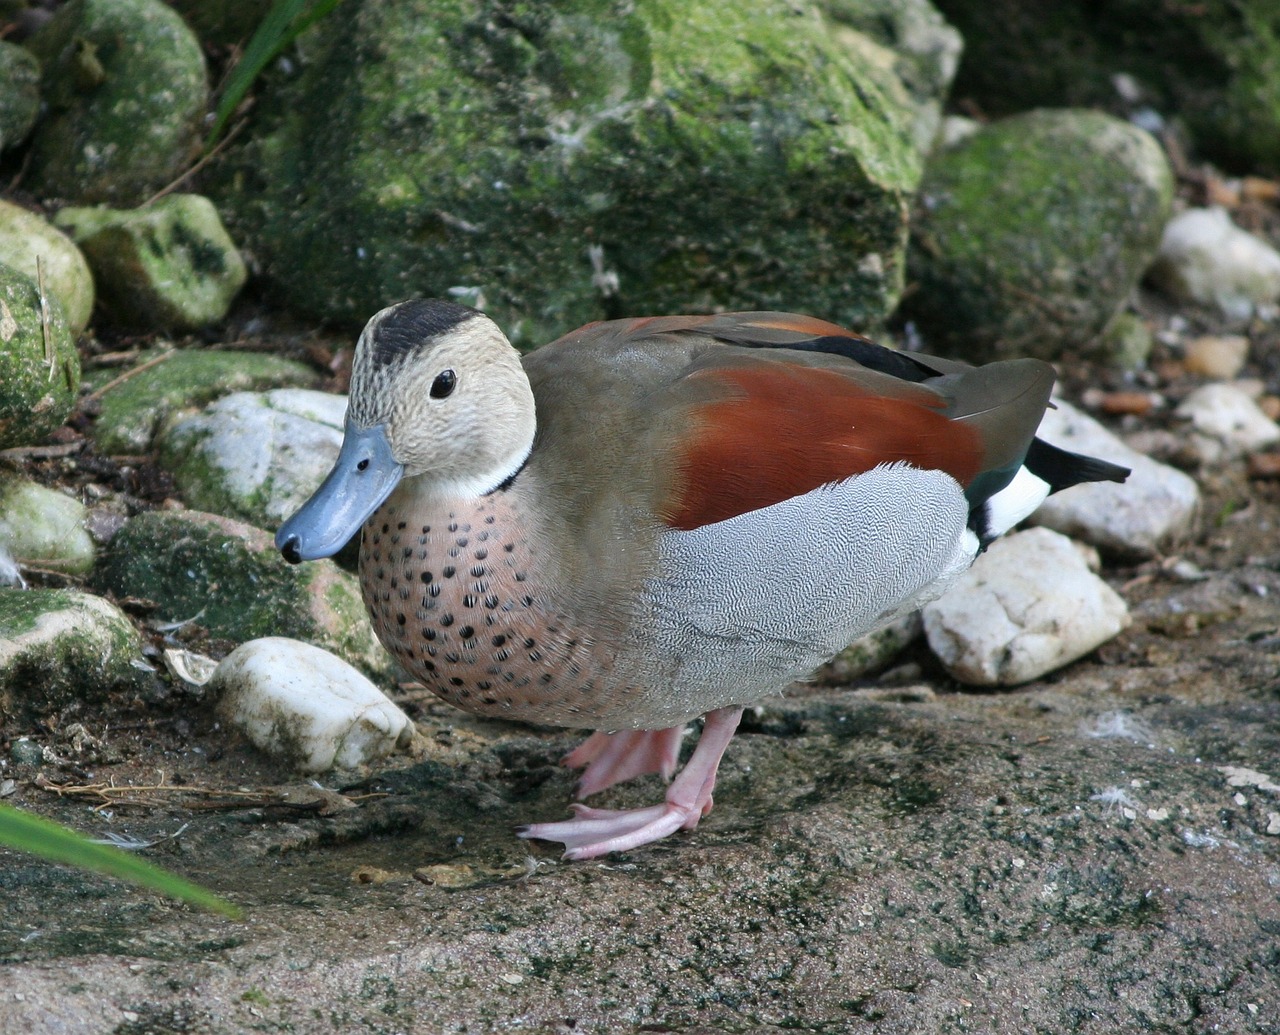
39	364
571	161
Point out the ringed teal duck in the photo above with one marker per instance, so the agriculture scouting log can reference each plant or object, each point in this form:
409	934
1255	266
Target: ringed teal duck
652	520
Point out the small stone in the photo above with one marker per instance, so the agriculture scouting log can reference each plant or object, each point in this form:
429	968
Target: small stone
126	88
1127	341
43	528
82	646
229	577
1029	605
1270	405
1139	518
1273	823
26	752
1227	423
171	264
1138	404
26	237
1220	356
133	411
39	364
19	93
255	456
1206	259
1263	466
304	705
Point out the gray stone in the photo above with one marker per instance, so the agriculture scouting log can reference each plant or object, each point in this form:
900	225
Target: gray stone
1206	259
229	578
304	705
26	237
1028	606
126	86
1031	233
169	265
1149	513
1226	422
61	646
132	412
44	528
39	364
728	156
19	93
255	456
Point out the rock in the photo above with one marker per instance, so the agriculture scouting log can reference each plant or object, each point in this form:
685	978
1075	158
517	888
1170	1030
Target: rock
39	364
44	528
1206	259
1212	65
738	155
24	237
126	85
870	653
1141	518
1227	423
1028	606
171	264
133	411
19	94
920	47
1221	356
255	456
1004	266
1127	342
306	706
228	577
60	646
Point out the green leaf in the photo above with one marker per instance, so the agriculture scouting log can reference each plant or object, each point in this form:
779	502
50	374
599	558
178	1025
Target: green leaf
284	23
57	843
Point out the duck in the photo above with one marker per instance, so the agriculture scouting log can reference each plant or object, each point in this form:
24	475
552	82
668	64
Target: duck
654	520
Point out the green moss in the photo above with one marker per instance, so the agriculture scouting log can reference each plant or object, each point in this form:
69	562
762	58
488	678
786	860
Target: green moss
720	155
125	80
1031	233
39	378
131	412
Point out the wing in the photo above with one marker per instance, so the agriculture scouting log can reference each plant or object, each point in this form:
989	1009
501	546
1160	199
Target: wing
789	403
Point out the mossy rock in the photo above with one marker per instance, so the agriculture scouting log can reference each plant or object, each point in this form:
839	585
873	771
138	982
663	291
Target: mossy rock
131	413
170	265
228	577
39	365
710	155
44	528
26	237
126	86
1215	65
19	93
1031	233
59	647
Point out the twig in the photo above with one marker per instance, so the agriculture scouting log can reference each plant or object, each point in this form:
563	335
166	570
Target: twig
98	393
44	317
200	164
41	452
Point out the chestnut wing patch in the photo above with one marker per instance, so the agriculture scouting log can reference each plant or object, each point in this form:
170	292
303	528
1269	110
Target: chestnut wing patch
773	430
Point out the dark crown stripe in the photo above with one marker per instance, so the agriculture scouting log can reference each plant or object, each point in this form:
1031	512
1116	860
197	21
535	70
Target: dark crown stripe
409	324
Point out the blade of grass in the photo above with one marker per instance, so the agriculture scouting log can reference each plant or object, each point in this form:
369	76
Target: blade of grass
57	843
284	23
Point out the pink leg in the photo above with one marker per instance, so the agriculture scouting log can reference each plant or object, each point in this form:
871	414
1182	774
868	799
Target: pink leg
616	757
594	832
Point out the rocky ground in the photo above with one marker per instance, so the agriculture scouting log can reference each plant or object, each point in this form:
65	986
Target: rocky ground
1098	849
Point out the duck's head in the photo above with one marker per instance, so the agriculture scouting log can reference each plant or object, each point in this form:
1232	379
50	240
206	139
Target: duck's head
437	393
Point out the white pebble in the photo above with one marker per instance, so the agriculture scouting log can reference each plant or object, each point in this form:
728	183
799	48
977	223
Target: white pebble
1155	506
1205	258
1227	422
1028	605
307	706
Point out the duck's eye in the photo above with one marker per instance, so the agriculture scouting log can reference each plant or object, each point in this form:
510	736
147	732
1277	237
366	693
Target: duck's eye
363	465
444	384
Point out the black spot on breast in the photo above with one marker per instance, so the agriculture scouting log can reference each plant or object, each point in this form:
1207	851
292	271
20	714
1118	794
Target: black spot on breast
448	571
481	554
428	633
499	640
401	526
463	541
469	600
446	619
400	619
467	632
425	576
456	681
452	657
491	601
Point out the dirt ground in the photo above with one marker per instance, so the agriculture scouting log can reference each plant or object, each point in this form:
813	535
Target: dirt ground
1097	850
